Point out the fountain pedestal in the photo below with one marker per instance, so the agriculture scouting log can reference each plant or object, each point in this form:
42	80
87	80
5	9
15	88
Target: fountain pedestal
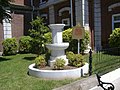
57	47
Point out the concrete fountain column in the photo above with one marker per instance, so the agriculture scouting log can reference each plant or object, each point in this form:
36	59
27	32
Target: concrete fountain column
57	47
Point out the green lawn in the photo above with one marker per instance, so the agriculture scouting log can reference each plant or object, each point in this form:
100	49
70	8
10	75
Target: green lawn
13	72
104	63
13	75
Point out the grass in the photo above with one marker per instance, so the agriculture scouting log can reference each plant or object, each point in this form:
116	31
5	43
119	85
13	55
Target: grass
13	75
104	63
13	71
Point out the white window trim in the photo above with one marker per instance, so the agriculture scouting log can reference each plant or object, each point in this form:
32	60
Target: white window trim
113	6
114	21
44	15
64	9
7	28
66	19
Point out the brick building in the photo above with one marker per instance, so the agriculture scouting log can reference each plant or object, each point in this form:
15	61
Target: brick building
104	16
69	12
21	12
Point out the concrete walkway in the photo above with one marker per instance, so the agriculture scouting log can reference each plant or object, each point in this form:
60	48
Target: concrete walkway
90	83
112	77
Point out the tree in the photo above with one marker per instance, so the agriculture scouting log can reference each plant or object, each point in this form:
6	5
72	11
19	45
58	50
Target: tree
37	34
4	5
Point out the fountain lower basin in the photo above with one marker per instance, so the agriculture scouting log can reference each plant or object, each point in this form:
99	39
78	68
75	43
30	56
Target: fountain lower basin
58	74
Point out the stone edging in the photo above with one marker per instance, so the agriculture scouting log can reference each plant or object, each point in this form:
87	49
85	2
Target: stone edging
58	74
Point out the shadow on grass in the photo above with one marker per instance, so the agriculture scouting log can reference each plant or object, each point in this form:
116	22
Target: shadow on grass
29	58
3	59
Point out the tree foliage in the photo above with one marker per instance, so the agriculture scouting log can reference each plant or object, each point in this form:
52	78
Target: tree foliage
37	34
4	6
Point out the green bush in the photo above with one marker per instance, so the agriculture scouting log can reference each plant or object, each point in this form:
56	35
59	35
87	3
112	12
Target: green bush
79	60
48	37
25	44
40	62
59	64
10	46
71	57
76	60
114	39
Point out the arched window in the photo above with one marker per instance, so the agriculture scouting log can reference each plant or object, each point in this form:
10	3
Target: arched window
64	9
65	20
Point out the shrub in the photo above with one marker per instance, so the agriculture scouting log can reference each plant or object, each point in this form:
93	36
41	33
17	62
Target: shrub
10	46
85	41
76	60
114	39
40	61
59	64
48	37
37	34
79	61
25	44
71	57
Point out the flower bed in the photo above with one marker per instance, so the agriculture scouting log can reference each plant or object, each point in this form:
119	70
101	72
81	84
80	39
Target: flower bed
59	74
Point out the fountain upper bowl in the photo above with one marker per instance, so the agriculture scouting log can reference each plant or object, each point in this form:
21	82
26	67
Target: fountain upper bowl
57	46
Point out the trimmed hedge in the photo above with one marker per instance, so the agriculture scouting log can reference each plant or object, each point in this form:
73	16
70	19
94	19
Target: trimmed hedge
10	46
114	39
25	44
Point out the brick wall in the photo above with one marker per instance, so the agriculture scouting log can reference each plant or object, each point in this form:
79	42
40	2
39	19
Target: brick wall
18	25
106	20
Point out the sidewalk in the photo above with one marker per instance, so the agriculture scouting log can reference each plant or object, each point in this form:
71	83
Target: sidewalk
112	77
90	83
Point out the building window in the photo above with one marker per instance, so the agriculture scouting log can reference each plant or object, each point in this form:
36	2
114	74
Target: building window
7	28
45	18
115	21
66	21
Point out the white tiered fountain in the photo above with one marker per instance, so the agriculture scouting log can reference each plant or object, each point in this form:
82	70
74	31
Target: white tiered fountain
57	47
57	51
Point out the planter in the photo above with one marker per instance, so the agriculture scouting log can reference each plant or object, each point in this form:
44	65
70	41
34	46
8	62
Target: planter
59	74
